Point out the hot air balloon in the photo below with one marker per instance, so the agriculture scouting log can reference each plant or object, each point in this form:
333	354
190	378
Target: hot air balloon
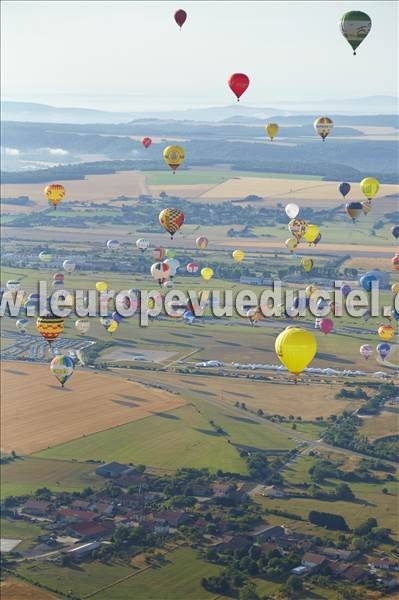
395	262
159	253
317	240
170	252
173	265
147	141
55	192
238	83
45	256
174	156
142	244
395	288
386	332
22	325
326	325
113	244
297	227
192	268
13	285
311	289
207	273
292	210
355	26
171	219
82	325
106	321
69	266
272	130
395	231
354	209
160	271
180	17
366	281
50	327
201	242
344	189
254	315
117	317
366	351
291	244
307	264
345	290
323	127
296	348
383	350
62	368
366	206
311	233
59	277
101	286
189	316
369	187
238	255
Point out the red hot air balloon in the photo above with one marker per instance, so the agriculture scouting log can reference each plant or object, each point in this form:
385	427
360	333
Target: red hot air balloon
146	142
326	325
180	17
238	83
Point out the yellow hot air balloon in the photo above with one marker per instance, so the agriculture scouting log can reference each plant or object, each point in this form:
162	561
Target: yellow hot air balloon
296	348
369	187
395	288
55	192
113	327
311	233
171	220
173	156
101	286
238	255
310	290
291	244
386	332
272	130
207	273
307	264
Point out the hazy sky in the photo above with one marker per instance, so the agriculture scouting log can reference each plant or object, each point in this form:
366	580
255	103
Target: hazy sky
121	54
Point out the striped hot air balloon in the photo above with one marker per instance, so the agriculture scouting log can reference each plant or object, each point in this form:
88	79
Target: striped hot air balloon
50	327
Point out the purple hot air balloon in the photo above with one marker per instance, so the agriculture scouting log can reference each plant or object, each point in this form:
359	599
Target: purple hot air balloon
383	350
117	317
345	289
344	189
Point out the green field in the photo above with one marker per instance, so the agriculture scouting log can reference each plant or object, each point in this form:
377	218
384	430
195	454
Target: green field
25	476
21	530
179	438
197	176
179	579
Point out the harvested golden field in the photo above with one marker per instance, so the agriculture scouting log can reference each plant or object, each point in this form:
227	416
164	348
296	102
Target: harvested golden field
95	188
185	191
12	589
365	263
315	399
250	243
39	413
307	192
386	423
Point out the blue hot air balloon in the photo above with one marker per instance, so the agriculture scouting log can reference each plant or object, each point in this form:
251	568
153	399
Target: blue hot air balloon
383	350
366	281
395	231
344	189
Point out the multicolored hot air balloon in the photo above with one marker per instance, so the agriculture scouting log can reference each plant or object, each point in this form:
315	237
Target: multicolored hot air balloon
171	220
142	244
180	17
238	83
62	368
395	262
147	141
353	210
296	348
55	192
50	327
323	127
13	285
160	271
369	187
386	332
173	265
297	227
238	255
201	242
82	325
272	130
174	156
355	27
344	189
45	256
366	351
383	350
192	268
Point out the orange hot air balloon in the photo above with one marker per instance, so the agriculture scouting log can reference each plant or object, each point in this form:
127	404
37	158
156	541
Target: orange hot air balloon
147	141
386	332
238	83
55	192
50	327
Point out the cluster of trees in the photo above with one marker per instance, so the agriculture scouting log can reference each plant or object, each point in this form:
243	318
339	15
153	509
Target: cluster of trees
358	393
328	520
368	535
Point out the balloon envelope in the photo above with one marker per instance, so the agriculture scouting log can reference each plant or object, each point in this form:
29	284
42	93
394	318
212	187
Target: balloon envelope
55	192
292	210
296	348
207	273
238	83
272	130
323	127
171	220
355	27
369	187
383	350
180	17
344	188
62	368
174	156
